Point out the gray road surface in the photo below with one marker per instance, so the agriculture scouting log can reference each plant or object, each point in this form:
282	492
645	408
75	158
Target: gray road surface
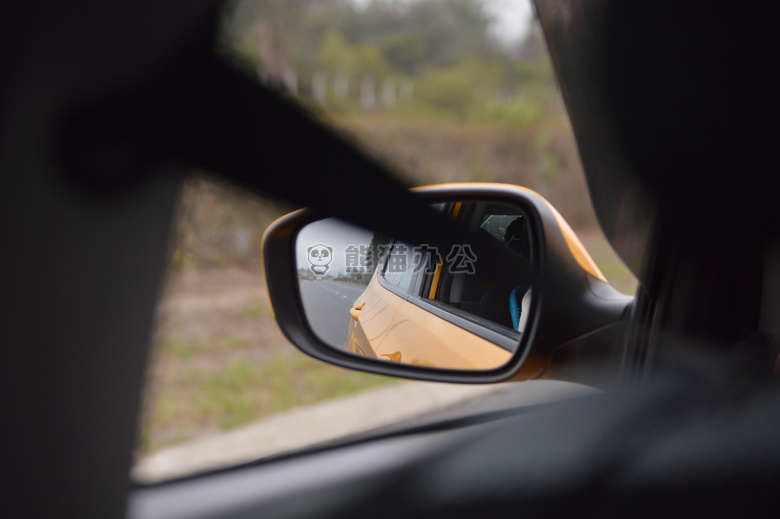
327	305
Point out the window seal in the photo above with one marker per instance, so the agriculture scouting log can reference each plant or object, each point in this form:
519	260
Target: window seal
499	335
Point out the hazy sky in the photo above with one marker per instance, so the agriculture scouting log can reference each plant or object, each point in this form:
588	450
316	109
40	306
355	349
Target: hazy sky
511	18
334	233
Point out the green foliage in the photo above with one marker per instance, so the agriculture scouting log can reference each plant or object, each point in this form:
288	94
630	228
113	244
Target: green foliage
476	90
405	51
336	55
368	59
448	90
413	36
534	78
455	89
452	29
246	391
236	342
243	391
256	309
180	348
443	47
230	395
518	112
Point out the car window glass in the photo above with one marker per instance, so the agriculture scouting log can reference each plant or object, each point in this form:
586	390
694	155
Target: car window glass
496	224
399	266
442	91
484	292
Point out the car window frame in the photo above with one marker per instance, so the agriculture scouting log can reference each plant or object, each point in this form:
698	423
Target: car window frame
495	333
414	285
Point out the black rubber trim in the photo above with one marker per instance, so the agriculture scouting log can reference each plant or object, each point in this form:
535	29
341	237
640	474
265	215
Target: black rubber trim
392	288
488	330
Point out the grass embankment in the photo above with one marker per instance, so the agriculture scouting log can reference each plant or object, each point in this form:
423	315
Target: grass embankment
220	361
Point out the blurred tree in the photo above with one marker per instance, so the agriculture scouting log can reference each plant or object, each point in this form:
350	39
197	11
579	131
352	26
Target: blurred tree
335	54
533	74
264	32
337	57
349	50
452	29
458	88
369	60
405	51
413	35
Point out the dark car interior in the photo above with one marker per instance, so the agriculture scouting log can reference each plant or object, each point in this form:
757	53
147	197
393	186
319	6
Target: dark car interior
486	293
460	283
106	105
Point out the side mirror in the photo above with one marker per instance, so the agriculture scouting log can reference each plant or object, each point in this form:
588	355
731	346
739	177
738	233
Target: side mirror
497	303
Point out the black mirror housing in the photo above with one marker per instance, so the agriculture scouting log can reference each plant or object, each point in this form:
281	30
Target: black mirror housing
575	316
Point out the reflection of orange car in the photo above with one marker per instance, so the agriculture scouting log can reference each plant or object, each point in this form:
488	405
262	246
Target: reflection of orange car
447	313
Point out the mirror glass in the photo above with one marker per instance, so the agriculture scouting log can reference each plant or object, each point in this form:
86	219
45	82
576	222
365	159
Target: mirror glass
392	301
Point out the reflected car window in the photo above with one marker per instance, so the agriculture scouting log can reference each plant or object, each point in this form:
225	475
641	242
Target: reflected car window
399	266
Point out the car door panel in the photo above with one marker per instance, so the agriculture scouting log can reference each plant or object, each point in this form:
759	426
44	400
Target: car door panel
391	327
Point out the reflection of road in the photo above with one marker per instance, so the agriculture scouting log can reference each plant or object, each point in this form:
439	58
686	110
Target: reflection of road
327	305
